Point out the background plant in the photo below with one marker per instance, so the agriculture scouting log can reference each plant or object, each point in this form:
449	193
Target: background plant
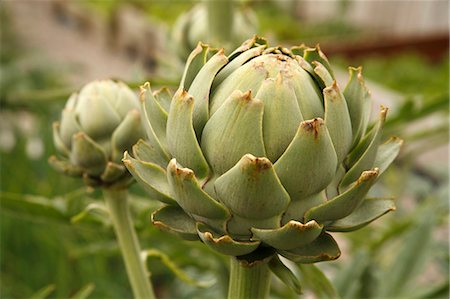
80	253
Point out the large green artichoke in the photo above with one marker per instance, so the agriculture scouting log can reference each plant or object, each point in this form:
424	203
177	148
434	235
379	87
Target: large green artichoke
261	149
97	125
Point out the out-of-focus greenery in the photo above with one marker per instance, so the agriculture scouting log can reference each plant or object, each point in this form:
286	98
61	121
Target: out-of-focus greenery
59	258
408	73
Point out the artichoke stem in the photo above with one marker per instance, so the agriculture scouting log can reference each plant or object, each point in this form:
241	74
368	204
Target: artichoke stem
249	280
117	204
220	21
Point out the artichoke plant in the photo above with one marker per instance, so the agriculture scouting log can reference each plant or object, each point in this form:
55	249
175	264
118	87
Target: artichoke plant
261	151
97	125
214	22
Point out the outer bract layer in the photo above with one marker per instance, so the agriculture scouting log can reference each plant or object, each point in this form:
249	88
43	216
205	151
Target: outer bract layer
97	125
261	149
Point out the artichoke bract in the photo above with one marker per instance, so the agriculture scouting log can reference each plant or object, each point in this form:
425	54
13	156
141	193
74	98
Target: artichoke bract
261	150
97	126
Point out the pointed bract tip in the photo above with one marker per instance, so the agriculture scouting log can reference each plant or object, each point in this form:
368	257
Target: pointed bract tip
397	140
367	175
247	95
331	90
79	135
182	172
383	111
126	158
257	163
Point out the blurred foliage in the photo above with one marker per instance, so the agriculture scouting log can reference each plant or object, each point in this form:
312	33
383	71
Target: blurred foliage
52	247
408	73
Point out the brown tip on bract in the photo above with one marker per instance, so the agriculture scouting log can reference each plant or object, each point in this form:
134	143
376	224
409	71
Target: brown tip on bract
332	90
383	111
396	139
220	240
79	135
313	126
247	95
367	175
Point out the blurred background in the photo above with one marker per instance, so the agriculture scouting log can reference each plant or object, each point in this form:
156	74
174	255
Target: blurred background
52	247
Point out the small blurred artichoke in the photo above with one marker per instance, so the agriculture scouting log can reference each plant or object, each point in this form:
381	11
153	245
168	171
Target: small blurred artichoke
97	125
262	150
201	23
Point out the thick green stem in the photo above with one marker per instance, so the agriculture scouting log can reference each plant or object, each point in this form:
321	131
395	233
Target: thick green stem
220	21
249	280
117	203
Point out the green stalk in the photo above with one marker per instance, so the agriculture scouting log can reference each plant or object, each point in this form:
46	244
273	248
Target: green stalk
220	21
117	203
249	280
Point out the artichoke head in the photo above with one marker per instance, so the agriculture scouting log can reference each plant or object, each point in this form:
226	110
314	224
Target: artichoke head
97	125
261	149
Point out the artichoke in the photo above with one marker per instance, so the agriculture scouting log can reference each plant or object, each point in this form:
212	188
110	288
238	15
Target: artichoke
261	150
97	125
230	26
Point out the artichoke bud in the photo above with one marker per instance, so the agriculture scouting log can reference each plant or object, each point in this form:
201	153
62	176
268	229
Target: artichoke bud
265	150
215	22
97	125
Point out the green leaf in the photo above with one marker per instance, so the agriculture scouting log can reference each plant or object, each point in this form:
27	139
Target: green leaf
44	292
175	269
35	206
315	280
84	292
350	278
285	274
409	260
93	212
